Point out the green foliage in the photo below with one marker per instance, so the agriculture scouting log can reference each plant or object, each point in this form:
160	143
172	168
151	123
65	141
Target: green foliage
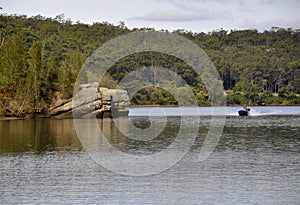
272	100
40	59
153	96
202	99
240	87
41	56
295	101
237	99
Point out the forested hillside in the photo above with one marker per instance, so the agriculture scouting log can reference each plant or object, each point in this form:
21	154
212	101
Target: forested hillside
40	58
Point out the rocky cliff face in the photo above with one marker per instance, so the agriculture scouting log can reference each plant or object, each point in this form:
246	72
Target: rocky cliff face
93	100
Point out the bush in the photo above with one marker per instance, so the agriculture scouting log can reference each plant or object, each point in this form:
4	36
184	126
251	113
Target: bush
3	111
272	100
239	87
295	101
237	99
254	97
282	92
291	96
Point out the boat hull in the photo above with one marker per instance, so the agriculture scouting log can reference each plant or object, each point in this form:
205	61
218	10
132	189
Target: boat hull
243	113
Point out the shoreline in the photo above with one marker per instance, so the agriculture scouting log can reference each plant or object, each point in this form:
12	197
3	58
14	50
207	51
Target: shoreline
3	118
214	106
7	118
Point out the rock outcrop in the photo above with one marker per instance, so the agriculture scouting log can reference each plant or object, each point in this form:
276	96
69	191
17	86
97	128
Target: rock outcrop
93	100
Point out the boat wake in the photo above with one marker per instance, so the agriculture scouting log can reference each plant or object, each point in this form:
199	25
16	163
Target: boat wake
218	111
258	111
263	112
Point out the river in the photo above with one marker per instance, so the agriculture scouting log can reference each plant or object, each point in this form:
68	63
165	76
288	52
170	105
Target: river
256	160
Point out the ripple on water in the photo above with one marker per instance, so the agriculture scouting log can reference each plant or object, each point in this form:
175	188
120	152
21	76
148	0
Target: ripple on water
255	162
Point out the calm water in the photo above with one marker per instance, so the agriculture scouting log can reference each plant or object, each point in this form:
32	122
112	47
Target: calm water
257	161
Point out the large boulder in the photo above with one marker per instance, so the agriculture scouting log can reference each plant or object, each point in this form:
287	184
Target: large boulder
93	100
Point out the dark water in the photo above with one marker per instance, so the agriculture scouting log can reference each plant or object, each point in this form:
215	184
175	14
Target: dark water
256	161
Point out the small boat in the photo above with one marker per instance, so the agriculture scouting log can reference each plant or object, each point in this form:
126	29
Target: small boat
244	112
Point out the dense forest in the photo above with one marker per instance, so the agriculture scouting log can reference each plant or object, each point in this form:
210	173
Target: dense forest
41	58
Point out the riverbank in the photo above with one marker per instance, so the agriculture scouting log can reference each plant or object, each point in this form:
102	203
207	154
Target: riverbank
10	118
46	114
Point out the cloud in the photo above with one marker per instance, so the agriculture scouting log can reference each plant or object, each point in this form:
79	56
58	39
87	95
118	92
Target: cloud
196	5
173	16
213	14
268	24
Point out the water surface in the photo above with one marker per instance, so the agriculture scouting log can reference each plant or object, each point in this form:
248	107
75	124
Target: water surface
257	161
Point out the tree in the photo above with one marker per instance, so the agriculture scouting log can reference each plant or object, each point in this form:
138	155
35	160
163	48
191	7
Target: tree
35	73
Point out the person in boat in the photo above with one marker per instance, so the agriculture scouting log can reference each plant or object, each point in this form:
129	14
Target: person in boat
244	111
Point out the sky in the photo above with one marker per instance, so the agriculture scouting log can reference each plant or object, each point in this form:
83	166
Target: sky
190	15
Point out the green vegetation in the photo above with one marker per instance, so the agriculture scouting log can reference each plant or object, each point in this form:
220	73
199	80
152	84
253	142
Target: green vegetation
41	57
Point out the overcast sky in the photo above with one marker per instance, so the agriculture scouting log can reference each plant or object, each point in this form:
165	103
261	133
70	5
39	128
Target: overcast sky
191	15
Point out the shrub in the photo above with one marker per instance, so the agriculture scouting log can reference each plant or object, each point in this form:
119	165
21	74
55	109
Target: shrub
237	99
272	100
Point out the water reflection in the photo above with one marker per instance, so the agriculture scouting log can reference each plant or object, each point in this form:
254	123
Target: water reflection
58	135
38	135
138	135
256	161
111	131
